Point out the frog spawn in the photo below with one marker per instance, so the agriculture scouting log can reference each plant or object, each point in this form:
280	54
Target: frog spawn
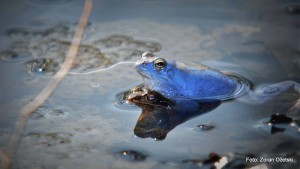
45	111
44	49
18	51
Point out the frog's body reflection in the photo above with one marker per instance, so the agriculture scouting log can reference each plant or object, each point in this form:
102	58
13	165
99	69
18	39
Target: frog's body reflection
160	115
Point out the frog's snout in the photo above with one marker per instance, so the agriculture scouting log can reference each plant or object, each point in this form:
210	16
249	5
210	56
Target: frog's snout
147	54
139	62
147	57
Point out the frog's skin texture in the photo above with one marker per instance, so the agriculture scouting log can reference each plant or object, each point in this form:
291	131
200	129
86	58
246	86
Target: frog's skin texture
175	80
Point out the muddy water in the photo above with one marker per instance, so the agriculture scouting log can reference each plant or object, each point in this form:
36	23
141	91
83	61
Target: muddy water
80	125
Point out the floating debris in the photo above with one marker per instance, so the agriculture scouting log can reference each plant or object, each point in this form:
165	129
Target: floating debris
204	127
44	67
131	155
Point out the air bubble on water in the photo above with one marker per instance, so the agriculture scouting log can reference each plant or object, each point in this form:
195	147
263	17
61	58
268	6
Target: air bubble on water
131	155
205	127
42	67
95	85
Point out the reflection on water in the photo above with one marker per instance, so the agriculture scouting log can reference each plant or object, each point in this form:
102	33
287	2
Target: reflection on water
160	115
279	123
80	125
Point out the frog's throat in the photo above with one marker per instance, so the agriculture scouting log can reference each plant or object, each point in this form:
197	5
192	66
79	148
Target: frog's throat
144	75
149	78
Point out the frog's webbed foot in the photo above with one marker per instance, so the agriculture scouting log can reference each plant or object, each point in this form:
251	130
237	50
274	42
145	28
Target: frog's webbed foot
269	92
295	109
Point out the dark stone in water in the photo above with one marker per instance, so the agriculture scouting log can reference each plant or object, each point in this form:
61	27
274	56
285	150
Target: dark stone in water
280	119
131	155
204	127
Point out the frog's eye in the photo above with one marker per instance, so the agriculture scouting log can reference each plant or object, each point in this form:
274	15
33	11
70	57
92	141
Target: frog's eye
160	64
151	97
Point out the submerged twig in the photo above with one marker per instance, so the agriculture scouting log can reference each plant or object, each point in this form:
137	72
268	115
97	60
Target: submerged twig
5	159
47	91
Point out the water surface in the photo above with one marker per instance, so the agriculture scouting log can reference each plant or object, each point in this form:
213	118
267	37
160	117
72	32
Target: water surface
80	126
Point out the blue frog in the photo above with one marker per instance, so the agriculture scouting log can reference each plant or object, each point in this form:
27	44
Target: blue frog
175	81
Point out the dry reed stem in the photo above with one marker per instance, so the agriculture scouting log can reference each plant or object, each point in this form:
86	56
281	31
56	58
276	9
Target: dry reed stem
26	111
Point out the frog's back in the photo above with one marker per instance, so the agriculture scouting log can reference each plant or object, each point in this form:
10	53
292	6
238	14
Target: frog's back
206	83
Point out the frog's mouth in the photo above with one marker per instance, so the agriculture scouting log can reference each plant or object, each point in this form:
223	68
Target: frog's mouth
149	76
144	75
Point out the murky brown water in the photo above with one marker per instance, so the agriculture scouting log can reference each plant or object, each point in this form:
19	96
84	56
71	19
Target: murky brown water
80	125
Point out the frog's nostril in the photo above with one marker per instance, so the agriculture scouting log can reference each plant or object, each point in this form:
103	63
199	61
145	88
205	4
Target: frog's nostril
147	55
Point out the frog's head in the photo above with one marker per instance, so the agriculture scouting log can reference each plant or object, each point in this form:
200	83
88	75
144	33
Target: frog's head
155	69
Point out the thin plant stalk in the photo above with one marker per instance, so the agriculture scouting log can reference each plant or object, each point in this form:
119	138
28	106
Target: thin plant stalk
27	110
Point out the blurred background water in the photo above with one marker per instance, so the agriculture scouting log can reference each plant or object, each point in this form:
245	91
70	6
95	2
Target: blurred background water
80	126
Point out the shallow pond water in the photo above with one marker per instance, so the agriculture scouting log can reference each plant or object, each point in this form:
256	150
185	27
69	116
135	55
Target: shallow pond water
81	124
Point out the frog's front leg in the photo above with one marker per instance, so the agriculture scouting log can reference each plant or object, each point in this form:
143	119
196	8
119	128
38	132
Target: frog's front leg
269	92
